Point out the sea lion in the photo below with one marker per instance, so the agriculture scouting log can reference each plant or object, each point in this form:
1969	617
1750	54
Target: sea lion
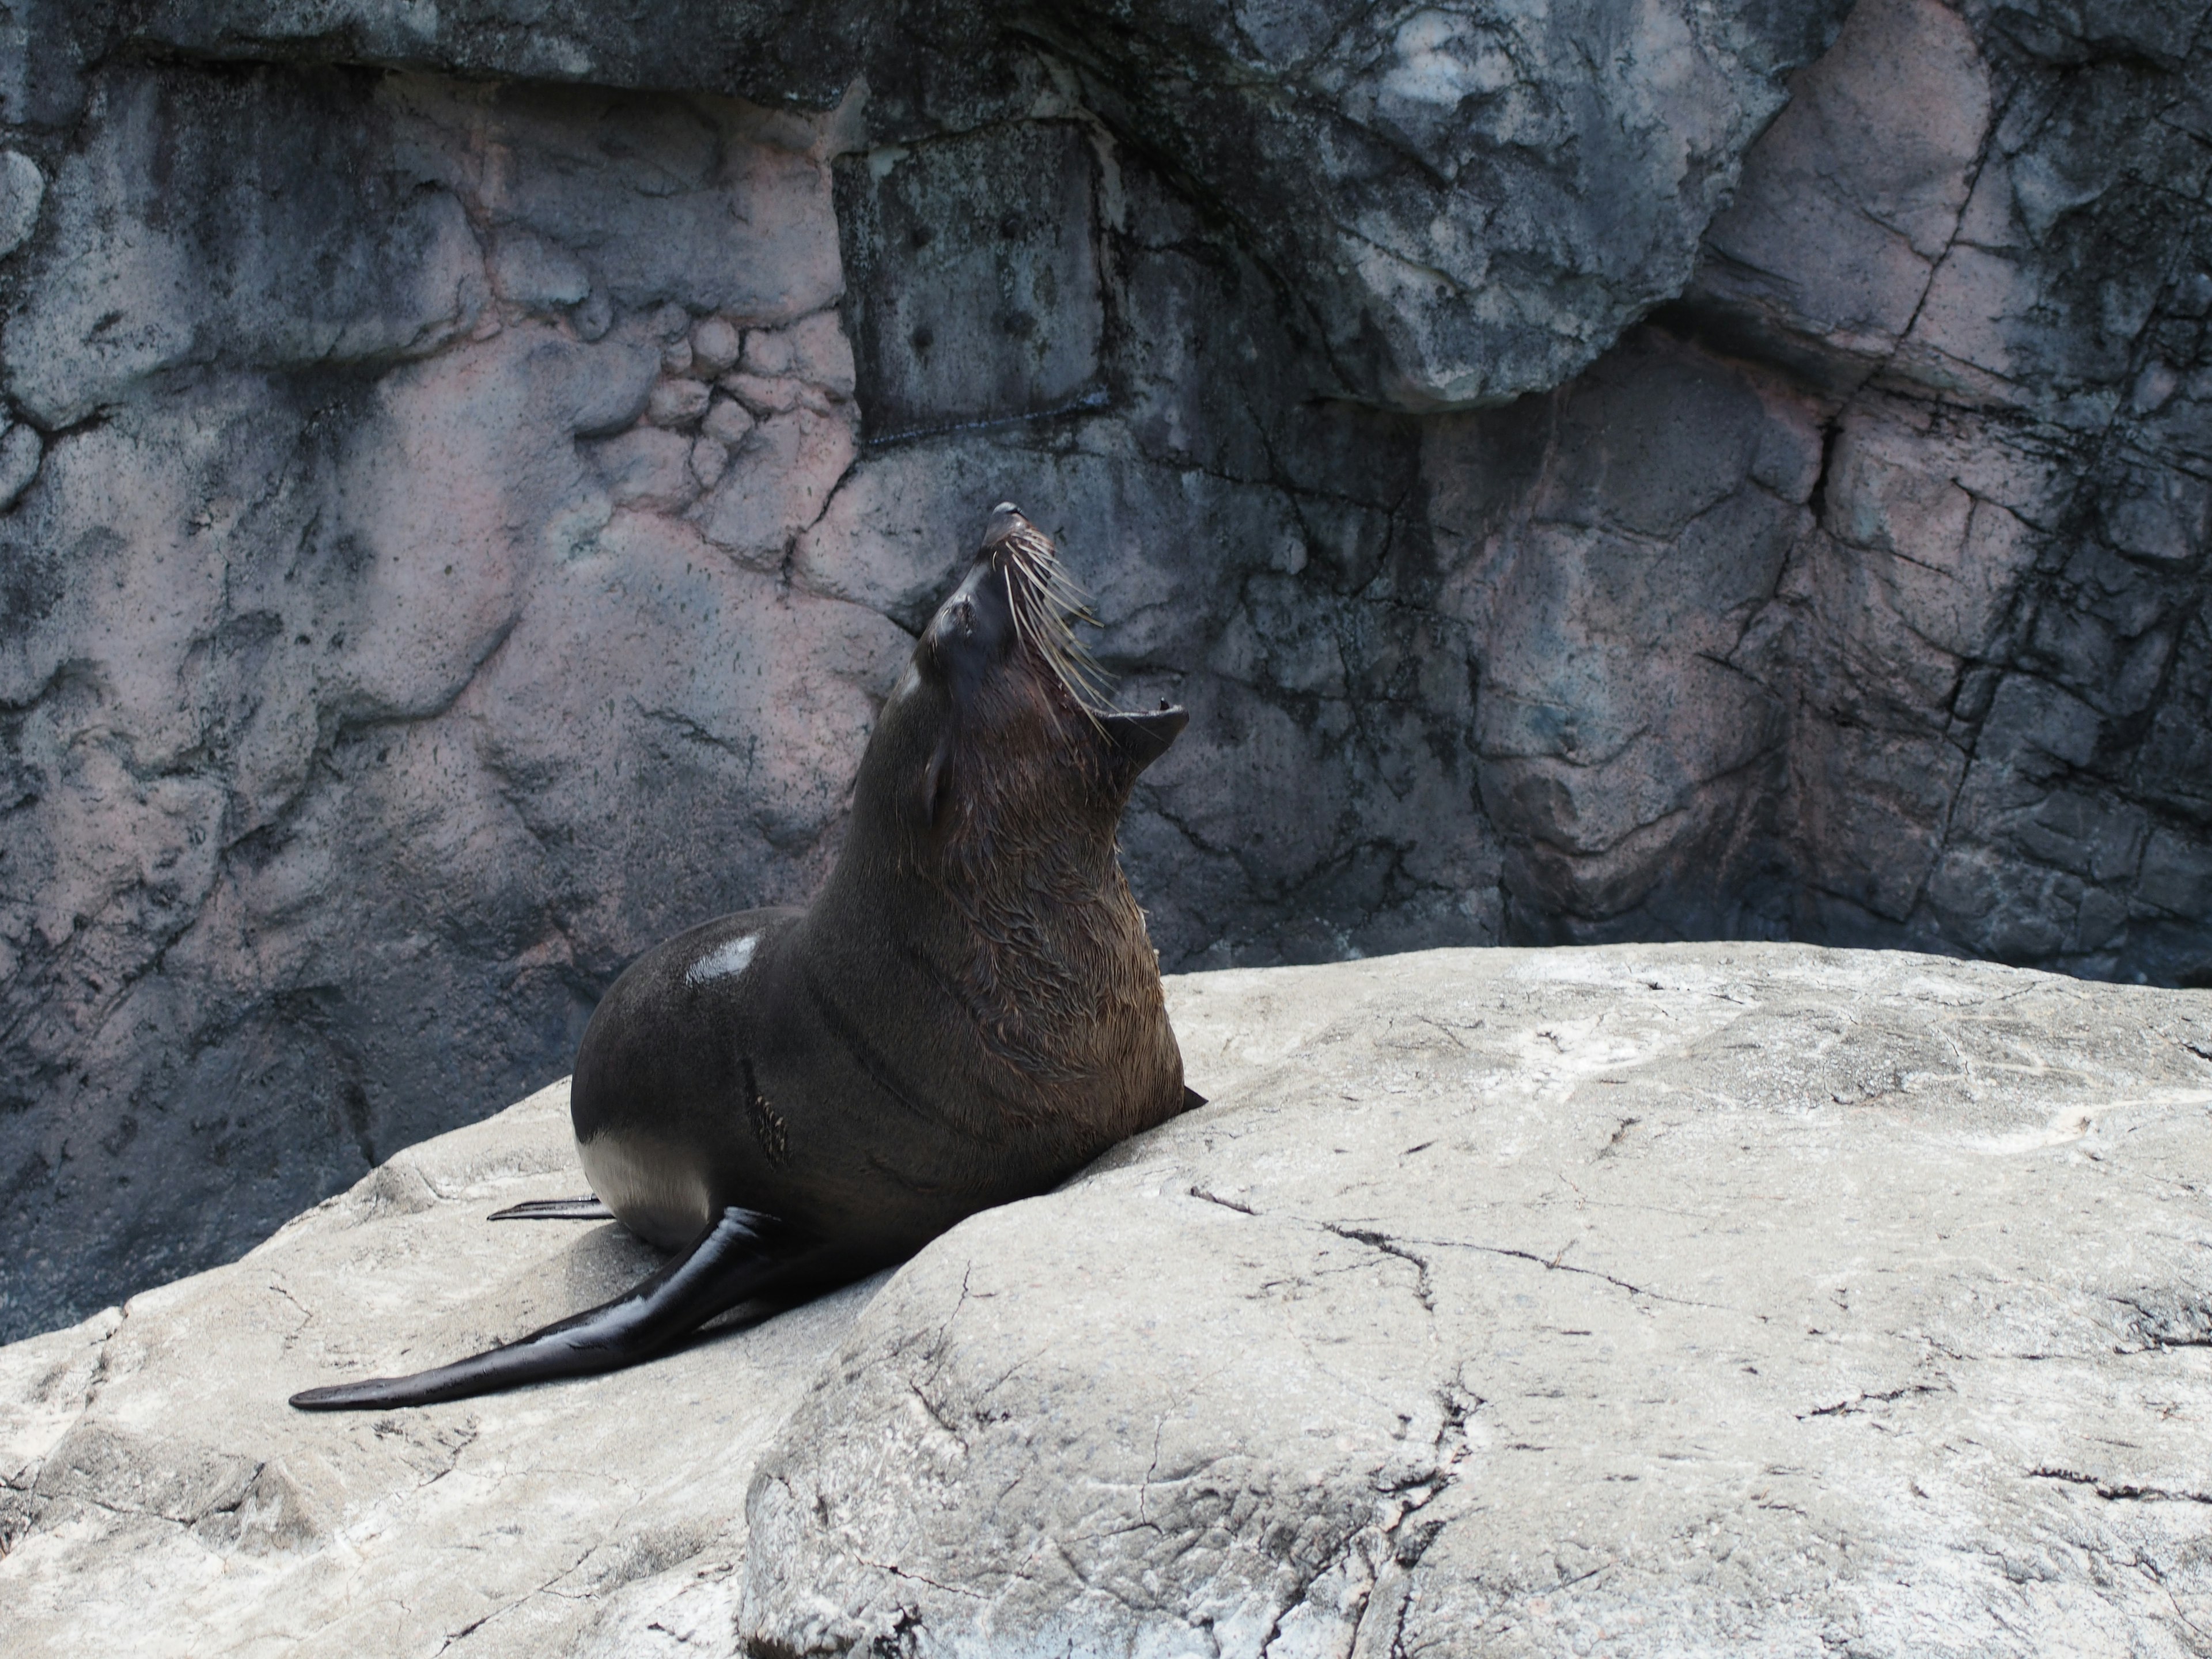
967	1013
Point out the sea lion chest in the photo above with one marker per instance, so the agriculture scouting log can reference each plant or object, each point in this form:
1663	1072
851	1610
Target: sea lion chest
869	1069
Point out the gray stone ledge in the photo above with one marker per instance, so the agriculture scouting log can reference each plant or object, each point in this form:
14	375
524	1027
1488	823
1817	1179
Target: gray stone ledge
1691	1298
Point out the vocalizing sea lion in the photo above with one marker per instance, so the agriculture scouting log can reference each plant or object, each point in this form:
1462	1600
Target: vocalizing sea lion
967	1013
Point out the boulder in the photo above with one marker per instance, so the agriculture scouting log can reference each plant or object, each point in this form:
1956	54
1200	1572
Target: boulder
1669	1298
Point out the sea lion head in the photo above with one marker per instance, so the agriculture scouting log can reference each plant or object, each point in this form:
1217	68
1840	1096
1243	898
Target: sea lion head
1000	690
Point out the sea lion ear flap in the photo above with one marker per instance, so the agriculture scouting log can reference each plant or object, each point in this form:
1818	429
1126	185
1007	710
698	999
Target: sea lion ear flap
935	777
1138	739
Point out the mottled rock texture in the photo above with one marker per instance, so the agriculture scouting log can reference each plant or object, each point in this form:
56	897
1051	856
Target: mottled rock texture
1648	1299
468	470
381	672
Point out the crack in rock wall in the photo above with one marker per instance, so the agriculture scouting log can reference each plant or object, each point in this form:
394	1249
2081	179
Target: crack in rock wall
466	481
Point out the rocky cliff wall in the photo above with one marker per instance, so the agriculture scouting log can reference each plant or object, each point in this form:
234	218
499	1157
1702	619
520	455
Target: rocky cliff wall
1597	471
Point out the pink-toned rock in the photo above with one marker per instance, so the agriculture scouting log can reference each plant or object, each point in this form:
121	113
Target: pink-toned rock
1855	190
247	271
764	396
1631	709
779	485
708	458
1961	341
533	273
715	346
1949	561
727	422
649	201
678	402
298	885
649	468
815	349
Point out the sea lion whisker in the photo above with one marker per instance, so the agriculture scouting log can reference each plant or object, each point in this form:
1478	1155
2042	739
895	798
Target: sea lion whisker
1046	600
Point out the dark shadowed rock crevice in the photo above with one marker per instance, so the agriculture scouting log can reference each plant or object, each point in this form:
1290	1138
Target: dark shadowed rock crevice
468	479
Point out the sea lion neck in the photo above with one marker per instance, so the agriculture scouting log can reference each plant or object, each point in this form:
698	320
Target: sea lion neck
995	788
980	863
979	869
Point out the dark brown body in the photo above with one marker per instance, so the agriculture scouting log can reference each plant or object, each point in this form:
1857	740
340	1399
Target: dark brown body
967	1014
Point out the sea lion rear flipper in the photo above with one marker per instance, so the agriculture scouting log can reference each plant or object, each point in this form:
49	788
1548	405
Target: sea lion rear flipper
742	1256
1191	1100
586	1208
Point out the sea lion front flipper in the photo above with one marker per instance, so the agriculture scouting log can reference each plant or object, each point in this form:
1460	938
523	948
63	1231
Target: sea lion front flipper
742	1256
586	1208
1191	1100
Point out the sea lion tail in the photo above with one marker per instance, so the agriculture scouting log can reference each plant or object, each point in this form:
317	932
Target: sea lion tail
742	1256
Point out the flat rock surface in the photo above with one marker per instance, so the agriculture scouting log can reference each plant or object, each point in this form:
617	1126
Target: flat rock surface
1637	1299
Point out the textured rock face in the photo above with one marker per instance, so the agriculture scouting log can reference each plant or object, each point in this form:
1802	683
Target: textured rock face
1707	1296
457	517
384	485
2002	648
1467	204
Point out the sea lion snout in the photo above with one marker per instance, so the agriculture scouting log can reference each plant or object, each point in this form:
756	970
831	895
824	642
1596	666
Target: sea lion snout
1018	571
972	631
1006	519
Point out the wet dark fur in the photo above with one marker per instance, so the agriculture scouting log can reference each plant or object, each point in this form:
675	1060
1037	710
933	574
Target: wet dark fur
969	1012
1060	980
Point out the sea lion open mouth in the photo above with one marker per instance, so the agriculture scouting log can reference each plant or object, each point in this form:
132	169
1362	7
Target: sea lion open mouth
1018	598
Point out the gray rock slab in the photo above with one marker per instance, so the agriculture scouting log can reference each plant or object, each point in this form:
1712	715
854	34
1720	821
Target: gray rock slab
153	1465
183	234
372	689
1674	1299
22	190
1004	214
